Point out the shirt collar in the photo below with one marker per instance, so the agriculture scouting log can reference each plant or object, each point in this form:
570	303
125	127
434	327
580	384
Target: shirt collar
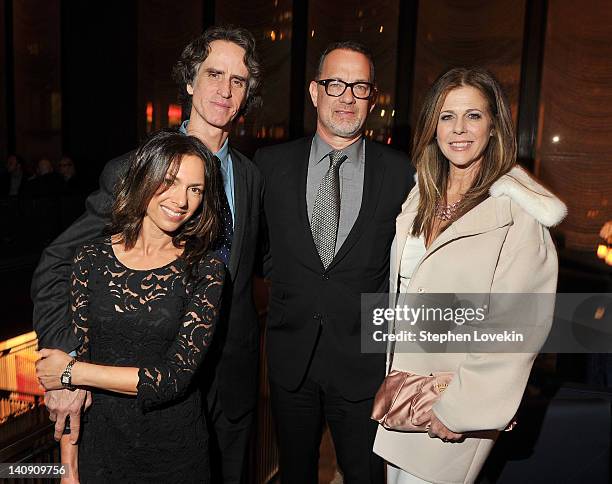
222	154
183	128
321	150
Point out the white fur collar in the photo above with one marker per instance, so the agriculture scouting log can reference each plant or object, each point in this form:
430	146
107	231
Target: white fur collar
532	197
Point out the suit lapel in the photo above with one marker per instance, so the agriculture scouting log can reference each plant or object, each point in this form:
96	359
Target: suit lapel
488	215
295	177
292	175
372	182
240	209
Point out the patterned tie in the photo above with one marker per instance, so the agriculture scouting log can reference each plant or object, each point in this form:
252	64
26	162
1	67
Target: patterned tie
326	210
226	229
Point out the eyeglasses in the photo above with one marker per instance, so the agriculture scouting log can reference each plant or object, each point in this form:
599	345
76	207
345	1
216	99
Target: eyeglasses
336	88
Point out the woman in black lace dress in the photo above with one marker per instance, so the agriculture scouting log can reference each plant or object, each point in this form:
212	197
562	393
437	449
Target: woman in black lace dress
145	302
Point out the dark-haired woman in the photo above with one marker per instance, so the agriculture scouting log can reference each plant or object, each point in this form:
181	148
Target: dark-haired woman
145	302
475	223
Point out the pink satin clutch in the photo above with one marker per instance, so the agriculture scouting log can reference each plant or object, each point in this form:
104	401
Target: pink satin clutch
404	398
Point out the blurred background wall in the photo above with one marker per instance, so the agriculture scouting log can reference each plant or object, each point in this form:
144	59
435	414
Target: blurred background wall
92	78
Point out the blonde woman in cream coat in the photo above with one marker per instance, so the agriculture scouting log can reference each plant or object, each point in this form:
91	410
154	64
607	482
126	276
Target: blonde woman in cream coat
475	223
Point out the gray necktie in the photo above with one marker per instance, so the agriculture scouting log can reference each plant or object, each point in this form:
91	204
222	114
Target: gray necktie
326	210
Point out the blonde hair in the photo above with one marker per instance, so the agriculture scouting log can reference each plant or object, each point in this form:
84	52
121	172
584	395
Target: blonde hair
432	166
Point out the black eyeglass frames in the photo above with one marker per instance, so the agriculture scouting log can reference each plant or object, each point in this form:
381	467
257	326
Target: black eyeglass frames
336	88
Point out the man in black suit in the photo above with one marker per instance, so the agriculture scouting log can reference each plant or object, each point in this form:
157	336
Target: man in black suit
330	205
13	181
220	76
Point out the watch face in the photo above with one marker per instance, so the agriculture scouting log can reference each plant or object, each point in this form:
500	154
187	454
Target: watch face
65	380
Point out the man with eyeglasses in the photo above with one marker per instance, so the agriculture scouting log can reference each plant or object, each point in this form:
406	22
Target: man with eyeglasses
330	204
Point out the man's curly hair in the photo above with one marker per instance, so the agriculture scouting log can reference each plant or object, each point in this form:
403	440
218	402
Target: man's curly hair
197	51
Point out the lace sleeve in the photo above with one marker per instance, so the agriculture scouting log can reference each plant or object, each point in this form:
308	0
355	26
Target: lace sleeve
170	379
79	299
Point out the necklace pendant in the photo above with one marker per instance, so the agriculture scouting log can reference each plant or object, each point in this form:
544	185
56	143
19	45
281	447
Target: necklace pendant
446	212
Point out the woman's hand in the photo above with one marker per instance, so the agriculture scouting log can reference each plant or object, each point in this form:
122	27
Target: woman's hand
438	429
50	367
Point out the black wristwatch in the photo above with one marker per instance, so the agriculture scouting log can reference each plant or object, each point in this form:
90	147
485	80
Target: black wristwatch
66	378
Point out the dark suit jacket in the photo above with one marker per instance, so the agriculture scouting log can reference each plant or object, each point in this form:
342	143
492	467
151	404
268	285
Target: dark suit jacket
5	184
306	298
235	349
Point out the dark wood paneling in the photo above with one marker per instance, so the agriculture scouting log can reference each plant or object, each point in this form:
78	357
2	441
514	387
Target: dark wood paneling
455	33
7	109
99	82
574	154
37	94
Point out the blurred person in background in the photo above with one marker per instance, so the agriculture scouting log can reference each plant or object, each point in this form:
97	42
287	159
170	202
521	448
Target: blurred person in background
66	169
72	195
12	184
45	183
13	180
41	205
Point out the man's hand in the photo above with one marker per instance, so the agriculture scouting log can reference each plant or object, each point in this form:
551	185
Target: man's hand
438	429
63	403
70	457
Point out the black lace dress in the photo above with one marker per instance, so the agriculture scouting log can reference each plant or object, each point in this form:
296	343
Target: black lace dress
153	320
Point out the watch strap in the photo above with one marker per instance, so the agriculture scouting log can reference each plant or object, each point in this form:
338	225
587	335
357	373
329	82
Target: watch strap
66	377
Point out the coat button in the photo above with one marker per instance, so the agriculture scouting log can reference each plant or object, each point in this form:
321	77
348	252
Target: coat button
326	277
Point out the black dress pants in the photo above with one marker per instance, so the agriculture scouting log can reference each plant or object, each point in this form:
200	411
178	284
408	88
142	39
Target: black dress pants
299	418
229	442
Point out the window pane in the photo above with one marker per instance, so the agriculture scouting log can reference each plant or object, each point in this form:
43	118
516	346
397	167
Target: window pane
36	37
270	23
165	27
573	152
373	23
3	83
469	33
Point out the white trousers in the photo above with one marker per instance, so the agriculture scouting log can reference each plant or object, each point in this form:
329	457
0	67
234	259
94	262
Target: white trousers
398	476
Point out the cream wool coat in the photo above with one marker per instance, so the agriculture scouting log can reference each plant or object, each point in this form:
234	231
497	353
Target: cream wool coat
501	246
